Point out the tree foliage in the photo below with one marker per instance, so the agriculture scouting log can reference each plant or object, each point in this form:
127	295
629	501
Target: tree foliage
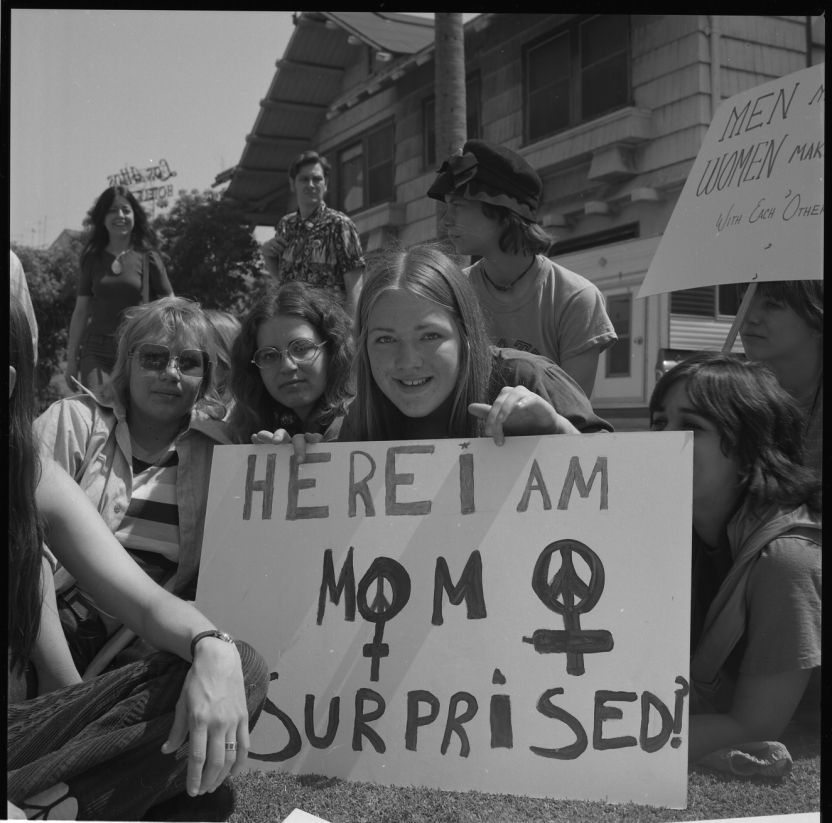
209	251
52	277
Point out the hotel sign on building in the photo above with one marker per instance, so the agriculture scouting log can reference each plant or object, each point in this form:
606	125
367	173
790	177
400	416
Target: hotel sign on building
148	184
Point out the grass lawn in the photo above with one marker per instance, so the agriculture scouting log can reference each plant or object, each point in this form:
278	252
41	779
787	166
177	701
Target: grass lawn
271	796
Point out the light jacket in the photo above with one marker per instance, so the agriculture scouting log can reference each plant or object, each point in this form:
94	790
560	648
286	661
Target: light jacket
749	532
88	436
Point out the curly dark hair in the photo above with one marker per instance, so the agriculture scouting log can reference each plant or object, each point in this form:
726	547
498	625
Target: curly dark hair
25	529
254	408
143	236
760	424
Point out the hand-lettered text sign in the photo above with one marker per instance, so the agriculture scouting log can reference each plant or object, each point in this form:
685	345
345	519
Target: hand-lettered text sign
752	205
459	615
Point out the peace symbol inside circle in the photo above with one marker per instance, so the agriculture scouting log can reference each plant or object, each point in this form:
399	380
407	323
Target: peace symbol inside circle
577	596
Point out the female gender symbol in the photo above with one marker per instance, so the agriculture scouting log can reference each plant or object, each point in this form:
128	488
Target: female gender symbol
382	568
574	640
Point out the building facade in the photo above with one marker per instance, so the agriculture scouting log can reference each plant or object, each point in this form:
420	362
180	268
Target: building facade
609	109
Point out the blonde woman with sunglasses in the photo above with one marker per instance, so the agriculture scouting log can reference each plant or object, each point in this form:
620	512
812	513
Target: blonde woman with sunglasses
141	451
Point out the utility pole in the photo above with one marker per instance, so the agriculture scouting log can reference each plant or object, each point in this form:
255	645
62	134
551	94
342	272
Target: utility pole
451	121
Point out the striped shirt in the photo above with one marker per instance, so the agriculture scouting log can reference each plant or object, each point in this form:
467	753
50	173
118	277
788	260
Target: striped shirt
150	528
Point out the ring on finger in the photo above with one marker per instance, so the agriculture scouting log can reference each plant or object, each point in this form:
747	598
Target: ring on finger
231	746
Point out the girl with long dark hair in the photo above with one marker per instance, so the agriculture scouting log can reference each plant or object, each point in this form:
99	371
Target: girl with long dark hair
120	268
756	598
291	366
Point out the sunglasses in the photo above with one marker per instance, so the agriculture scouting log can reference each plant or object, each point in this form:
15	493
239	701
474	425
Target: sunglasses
301	350
155	357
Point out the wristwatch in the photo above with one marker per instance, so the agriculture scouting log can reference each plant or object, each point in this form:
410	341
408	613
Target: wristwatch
211	633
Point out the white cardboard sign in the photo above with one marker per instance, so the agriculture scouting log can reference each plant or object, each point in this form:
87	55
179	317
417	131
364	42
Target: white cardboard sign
752	206
459	615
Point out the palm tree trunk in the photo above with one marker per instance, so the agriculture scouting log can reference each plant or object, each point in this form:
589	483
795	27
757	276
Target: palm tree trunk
450	108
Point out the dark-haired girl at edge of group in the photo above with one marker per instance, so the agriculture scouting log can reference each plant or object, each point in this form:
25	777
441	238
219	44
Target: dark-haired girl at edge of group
425	369
143	735
756	596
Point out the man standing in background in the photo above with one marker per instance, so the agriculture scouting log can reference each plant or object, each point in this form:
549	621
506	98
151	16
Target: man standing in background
316	244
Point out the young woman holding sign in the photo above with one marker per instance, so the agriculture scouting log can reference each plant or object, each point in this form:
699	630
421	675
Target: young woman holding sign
142	736
756	598
291	363
425	369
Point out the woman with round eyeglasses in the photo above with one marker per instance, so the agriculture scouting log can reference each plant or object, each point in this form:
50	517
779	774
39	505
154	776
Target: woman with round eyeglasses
120	268
290	367
142	454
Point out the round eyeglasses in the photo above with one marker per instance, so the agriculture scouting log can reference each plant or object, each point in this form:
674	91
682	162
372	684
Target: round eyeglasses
156	357
301	350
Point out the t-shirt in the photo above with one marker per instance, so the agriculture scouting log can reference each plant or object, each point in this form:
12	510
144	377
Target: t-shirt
319	250
783	611
113	293
550	311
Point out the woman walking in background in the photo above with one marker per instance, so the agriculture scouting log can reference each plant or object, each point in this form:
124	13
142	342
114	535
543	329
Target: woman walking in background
120	268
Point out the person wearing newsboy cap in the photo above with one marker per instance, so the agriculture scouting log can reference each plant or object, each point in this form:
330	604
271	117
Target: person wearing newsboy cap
529	301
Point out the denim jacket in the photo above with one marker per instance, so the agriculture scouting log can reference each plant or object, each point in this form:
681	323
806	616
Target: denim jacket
88	436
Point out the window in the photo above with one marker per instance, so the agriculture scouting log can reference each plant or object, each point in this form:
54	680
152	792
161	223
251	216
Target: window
472	116
366	169
619	308
577	74
706	301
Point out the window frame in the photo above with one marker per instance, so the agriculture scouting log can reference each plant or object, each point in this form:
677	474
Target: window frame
363	140
573	29
623	337
716	312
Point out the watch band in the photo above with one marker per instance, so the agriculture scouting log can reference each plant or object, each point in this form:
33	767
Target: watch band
211	633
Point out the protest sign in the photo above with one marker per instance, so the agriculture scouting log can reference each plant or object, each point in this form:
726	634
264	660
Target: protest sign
459	615
752	206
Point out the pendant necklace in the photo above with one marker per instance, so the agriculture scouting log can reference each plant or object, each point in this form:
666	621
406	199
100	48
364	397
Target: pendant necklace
513	283
117	267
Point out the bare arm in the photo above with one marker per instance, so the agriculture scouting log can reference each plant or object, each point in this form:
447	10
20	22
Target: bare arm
353	280
761	708
582	368
271	251
51	655
77	324
212	706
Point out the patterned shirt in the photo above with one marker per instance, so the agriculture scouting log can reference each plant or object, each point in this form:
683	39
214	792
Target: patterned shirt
319	250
